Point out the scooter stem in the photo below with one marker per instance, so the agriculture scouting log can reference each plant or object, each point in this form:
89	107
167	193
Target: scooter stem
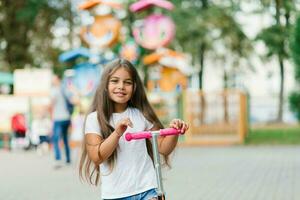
157	165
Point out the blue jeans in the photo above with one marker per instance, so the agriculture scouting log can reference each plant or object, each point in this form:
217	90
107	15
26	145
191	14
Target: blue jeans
60	129
149	194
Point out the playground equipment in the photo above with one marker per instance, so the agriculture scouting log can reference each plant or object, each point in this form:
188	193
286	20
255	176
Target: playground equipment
156	30
105	29
168	70
144	4
154	136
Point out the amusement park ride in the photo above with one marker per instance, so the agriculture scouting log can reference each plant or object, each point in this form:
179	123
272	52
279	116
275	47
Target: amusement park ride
168	69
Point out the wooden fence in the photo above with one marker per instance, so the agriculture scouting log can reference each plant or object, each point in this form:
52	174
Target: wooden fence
214	117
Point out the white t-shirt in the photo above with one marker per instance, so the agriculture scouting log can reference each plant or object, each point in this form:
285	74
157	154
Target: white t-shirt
133	172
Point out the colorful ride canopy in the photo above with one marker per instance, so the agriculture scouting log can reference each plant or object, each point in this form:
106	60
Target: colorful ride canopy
104	32
144	4
93	3
154	32
171	59
74	54
82	79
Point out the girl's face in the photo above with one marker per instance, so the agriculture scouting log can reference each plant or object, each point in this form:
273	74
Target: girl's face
120	88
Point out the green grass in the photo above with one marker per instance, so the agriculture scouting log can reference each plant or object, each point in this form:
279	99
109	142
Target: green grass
272	136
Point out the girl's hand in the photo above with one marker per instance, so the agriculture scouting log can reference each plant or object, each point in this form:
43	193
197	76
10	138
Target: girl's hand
122	126
179	124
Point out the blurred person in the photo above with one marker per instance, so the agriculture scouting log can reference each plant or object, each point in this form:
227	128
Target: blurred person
41	127
120	105
61	116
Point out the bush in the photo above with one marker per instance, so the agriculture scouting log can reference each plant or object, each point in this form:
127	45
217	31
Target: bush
294	103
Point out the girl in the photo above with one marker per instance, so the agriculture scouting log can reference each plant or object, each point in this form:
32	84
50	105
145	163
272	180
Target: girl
126	168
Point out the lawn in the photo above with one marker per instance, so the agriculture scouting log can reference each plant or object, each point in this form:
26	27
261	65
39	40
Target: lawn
273	135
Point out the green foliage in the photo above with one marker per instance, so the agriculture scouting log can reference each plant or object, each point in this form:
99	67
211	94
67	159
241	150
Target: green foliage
29	11
204	27
295	49
26	30
274	37
294	97
196	24
294	103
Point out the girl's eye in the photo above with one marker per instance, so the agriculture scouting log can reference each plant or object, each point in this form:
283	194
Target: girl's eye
114	81
128	82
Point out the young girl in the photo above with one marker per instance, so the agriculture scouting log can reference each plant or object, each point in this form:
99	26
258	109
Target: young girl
120	105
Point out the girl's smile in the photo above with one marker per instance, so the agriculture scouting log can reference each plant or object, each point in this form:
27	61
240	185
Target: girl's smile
121	94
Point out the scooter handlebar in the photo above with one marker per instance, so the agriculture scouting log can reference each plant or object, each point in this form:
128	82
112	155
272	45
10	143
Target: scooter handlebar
148	134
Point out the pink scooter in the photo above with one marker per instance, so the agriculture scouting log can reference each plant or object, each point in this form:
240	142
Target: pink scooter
154	135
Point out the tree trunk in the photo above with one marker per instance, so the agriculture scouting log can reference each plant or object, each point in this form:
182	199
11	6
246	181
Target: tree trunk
202	97
281	92
281	65
202	48
225	96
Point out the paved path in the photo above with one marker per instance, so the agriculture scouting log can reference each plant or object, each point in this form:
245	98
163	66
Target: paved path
206	173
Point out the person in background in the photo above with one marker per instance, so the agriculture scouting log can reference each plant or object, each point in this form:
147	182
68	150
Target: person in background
61	118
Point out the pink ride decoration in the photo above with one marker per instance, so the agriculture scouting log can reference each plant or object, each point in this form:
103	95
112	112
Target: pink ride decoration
154	32
144	4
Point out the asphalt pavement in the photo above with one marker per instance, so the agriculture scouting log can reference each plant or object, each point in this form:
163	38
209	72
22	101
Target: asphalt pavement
198	173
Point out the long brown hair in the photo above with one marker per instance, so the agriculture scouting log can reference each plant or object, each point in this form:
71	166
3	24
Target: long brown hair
104	107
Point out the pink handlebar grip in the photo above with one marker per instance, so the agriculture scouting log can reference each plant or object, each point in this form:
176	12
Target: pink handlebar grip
139	135
169	131
148	134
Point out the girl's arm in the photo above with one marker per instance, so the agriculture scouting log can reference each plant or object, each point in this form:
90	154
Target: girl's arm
99	149
167	144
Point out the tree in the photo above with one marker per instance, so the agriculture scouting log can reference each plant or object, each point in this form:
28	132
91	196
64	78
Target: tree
275	38
26	32
294	98
203	28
